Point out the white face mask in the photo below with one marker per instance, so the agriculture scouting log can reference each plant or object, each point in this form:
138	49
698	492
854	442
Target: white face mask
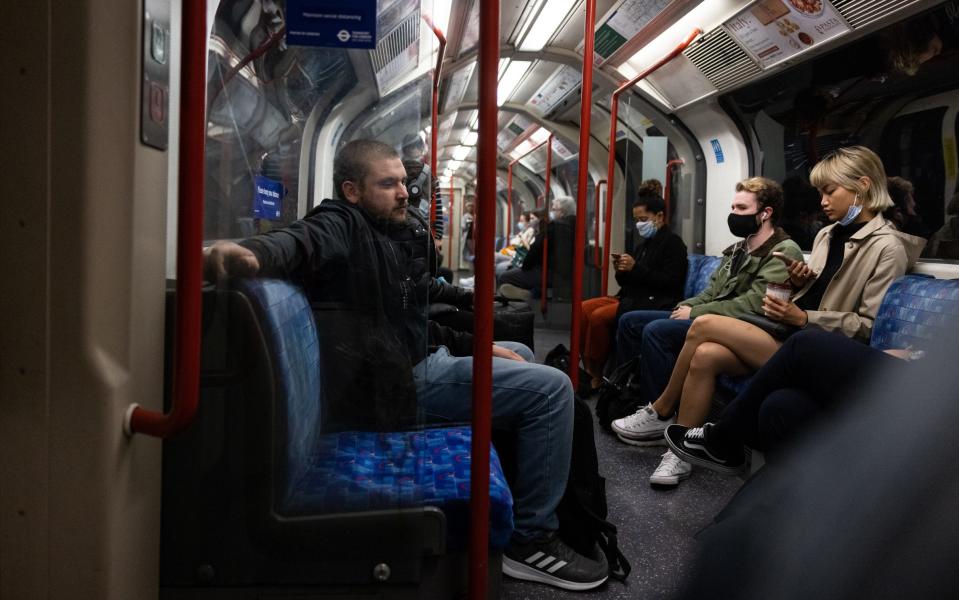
553	215
520	226
646	229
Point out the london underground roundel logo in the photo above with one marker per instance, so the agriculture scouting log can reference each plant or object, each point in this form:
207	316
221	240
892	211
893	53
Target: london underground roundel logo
343	35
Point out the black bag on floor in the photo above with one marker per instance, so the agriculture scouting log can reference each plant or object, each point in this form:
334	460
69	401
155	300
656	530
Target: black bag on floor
619	395
582	512
512	322
558	358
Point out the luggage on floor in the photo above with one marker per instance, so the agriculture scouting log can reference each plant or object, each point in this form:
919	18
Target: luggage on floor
512	320
619	394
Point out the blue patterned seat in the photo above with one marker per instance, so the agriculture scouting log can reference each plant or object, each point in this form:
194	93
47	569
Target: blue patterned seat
322	473
913	308
701	268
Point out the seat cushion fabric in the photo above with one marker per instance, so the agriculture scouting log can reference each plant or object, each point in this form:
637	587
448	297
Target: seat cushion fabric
356	471
701	269
912	310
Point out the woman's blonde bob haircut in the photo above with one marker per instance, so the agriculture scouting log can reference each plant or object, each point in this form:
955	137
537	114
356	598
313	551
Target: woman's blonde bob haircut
845	167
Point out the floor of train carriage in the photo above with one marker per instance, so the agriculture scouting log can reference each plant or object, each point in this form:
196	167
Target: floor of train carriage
656	526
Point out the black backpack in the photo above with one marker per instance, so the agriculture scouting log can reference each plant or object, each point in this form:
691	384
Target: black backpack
558	358
619	395
582	512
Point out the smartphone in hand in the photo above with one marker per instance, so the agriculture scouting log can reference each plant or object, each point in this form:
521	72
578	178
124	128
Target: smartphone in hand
788	261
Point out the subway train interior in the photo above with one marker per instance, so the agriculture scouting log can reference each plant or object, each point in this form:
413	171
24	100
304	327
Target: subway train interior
283	277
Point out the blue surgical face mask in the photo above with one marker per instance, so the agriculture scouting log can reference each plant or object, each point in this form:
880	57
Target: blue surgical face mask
852	214
520	226
646	229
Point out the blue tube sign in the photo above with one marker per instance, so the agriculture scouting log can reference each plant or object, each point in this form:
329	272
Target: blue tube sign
336	23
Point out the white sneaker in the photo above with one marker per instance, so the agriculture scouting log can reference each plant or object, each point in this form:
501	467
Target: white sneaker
671	470
643	427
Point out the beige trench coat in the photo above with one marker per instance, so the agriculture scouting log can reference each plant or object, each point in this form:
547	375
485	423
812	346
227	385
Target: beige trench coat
872	259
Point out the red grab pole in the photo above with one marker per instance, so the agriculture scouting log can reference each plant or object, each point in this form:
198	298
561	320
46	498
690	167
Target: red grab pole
543	304
485	230
509	198
597	262
189	251
437	72
449	251
667	190
613	119
579	239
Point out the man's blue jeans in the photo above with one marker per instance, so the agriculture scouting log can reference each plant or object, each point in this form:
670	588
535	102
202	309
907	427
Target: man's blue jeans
533	400
658	339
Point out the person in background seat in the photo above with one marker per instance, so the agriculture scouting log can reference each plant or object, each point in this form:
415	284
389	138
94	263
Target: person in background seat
736	289
344	253
651	277
516	283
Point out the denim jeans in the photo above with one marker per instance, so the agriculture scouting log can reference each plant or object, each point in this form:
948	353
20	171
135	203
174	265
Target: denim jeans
662	341
629	332
532	400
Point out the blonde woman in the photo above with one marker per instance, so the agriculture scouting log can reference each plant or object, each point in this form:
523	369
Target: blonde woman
853	262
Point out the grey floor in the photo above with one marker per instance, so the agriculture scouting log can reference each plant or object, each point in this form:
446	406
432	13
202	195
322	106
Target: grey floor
656	527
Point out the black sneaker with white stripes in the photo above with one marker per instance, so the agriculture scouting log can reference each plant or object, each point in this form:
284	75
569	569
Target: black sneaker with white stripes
548	560
694	445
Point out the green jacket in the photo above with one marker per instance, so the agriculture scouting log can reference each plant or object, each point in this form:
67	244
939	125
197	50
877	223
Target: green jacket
741	294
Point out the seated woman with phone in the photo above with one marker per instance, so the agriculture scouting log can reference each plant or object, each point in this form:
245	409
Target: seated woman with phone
650	278
853	262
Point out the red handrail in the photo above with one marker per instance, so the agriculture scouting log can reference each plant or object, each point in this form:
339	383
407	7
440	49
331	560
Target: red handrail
667	190
189	257
579	239
613	119
485	227
509	198
449	251
543	304
596	260
437	73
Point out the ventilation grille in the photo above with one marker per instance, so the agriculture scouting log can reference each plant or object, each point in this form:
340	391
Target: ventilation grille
721	60
395	44
860	13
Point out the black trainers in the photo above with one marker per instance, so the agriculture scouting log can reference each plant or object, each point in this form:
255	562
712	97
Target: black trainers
548	560
692	445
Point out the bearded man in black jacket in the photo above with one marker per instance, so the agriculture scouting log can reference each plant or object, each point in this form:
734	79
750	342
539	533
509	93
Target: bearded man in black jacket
357	259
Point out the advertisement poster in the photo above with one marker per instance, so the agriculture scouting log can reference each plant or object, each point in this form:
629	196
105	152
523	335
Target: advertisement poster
627	20
774	30
336	23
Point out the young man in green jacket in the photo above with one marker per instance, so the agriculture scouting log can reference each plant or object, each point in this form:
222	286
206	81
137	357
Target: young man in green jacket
736	289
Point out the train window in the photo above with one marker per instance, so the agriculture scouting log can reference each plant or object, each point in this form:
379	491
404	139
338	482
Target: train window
260	95
895	91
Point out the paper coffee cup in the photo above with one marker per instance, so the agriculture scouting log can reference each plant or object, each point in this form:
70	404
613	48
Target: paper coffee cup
779	290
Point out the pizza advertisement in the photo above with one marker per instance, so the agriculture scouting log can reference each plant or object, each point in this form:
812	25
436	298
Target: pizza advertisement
775	30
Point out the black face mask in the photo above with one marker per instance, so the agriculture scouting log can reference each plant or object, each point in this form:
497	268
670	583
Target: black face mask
742	225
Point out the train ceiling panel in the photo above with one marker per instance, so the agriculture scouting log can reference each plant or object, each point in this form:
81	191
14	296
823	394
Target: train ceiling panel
721	60
398	52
